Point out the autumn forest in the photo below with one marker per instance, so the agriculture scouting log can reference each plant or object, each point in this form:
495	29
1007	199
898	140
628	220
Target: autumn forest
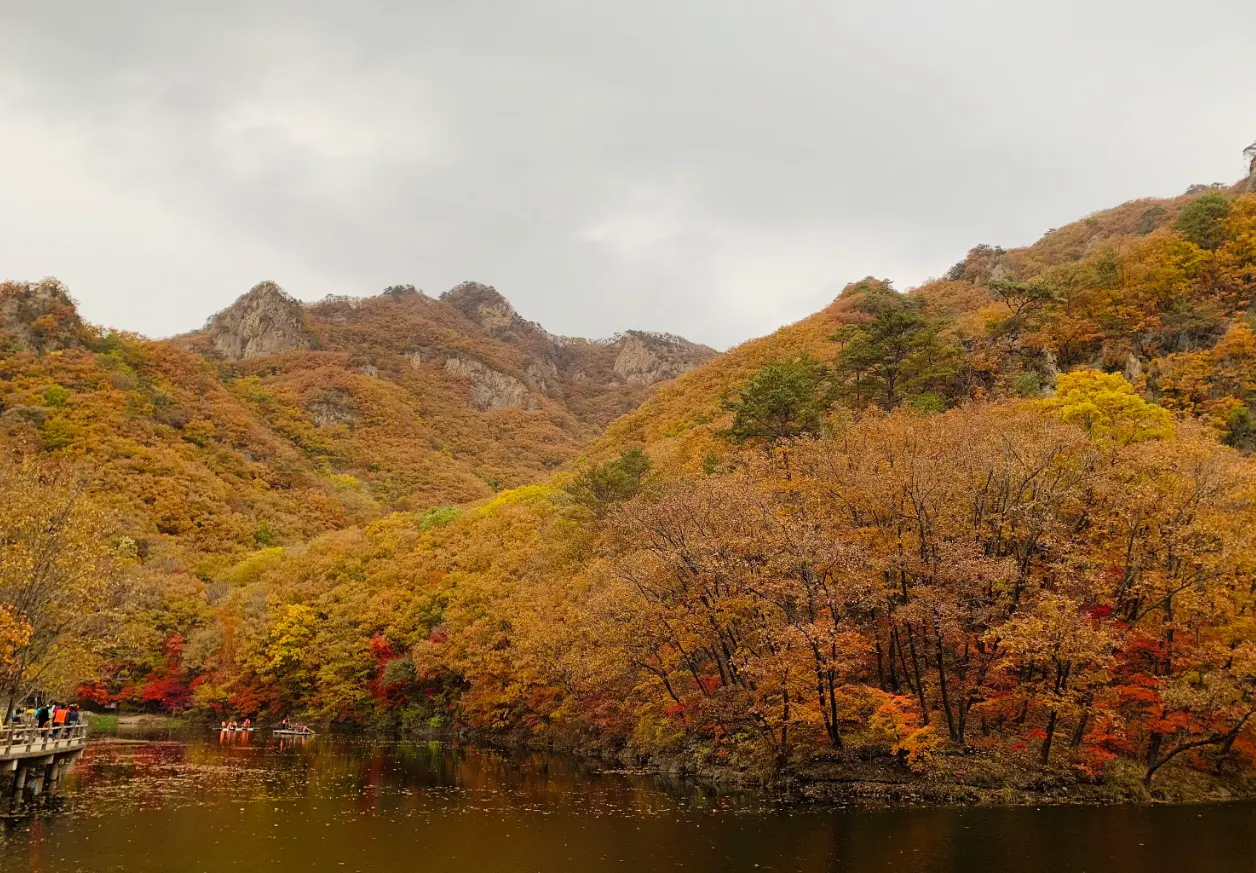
994	533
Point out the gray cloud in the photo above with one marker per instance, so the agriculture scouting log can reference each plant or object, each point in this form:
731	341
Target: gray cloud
711	168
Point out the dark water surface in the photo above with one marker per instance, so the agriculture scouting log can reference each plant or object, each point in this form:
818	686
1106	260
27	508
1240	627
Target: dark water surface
333	805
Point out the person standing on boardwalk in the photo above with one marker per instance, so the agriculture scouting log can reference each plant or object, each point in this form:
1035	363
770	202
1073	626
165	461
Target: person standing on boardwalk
59	715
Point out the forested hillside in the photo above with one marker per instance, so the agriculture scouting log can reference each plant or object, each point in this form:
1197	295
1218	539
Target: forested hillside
279	421
1159	290
997	531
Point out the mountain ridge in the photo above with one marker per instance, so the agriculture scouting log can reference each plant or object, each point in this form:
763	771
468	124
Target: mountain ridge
681	418
266	321
280	419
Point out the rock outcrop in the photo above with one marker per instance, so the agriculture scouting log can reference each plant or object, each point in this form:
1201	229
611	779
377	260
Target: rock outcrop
490	389
544	377
553	364
483	305
40	316
1133	369
647	358
265	321
333	407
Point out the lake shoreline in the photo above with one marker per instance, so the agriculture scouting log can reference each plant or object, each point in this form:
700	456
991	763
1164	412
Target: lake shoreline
874	786
958	780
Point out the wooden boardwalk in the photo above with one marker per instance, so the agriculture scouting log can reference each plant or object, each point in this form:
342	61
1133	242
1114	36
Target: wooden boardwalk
38	756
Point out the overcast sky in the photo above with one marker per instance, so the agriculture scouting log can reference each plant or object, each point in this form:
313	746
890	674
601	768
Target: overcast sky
714	169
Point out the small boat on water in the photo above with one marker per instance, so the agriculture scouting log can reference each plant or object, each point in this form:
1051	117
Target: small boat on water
237	728
287	732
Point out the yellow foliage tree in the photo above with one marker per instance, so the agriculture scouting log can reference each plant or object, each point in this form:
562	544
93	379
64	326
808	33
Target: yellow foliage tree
1108	408
59	578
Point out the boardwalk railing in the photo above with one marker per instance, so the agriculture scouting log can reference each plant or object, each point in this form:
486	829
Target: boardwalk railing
28	742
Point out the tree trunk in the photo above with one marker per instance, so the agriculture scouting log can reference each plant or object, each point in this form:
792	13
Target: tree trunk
946	700
1079	733
1046	742
893	671
835	736
784	753
920	686
1224	752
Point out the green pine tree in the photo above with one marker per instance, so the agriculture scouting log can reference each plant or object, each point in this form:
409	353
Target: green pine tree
896	353
600	487
783	401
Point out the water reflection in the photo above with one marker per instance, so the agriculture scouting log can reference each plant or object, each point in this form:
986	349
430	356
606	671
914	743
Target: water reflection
253	802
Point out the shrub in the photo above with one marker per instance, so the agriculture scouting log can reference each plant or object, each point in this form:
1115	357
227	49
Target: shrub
56	396
1203	220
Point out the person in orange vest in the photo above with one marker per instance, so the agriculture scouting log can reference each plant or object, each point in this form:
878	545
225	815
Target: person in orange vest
58	720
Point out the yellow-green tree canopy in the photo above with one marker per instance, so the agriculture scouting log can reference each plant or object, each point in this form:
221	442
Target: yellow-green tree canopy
1108	407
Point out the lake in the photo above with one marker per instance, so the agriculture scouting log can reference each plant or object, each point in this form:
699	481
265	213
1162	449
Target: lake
328	804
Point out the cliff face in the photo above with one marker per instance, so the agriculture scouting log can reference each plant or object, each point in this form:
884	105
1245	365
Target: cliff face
650	358
265	321
490	389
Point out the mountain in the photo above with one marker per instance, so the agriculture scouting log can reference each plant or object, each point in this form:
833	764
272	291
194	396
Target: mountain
279	420
471	332
434	400
1161	290
991	534
985	539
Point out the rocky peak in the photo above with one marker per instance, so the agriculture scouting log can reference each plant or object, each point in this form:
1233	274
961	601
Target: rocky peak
1250	154
982	264
265	321
38	315
401	292
646	358
483	305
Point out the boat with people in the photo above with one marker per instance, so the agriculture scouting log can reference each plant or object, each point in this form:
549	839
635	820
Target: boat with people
286	729
231	727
